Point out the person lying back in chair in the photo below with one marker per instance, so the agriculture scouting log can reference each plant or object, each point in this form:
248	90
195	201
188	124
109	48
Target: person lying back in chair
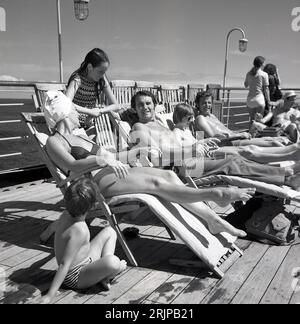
211	126
183	119
149	132
284	116
114	177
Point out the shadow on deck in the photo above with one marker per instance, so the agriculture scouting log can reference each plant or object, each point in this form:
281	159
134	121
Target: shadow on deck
29	266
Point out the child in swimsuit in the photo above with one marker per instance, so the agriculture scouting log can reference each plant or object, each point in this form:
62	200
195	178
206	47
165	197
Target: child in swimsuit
82	263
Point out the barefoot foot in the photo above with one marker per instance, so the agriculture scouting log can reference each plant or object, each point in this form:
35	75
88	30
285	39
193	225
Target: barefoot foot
106	283
229	195
218	225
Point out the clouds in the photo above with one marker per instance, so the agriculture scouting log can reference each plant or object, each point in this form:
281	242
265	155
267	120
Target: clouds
9	78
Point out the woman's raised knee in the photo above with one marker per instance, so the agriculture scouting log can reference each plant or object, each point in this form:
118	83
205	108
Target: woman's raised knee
112	262
110	232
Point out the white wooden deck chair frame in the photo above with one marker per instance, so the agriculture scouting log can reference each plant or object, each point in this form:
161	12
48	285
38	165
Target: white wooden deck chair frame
170	95
123	91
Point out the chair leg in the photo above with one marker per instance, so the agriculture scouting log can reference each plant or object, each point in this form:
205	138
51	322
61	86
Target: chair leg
172	236
114	224
124	245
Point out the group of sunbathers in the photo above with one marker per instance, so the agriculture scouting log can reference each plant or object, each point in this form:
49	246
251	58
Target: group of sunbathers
82	264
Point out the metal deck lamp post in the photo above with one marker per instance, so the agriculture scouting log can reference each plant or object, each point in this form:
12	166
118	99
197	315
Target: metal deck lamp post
243	42
81	10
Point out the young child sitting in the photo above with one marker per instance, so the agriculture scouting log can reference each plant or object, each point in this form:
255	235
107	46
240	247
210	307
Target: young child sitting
82	263
183	119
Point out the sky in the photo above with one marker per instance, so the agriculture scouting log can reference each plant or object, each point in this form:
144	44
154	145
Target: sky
180	41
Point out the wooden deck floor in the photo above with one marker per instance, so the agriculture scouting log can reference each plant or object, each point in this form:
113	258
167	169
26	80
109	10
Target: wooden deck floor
262	275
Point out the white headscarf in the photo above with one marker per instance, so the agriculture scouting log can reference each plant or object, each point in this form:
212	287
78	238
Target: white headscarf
57	107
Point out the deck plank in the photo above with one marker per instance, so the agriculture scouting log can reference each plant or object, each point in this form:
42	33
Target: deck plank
26	211
120	287
280	290
23	274
172	287
257	283
33	285
225	290
143	288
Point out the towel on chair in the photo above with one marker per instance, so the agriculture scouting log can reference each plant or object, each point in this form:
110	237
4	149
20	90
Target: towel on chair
188	227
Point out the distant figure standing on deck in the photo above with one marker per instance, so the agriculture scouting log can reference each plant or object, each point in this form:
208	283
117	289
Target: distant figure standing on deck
258	83
274	82
87	84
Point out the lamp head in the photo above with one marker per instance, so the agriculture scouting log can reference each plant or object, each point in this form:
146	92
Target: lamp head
243	43
81	8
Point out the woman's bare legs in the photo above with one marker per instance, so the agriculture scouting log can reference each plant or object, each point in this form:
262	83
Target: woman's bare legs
268	154
164	184
105	265
263	142
167	185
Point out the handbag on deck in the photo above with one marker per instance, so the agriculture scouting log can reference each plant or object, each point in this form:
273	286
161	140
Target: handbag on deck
267	221
272	224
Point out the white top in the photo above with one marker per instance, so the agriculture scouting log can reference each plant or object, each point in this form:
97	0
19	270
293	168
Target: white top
184	137
256	83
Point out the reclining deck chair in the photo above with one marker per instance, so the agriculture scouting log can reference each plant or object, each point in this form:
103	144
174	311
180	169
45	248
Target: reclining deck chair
216	251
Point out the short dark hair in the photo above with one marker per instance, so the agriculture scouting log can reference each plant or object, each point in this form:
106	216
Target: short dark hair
81	196
270	68
202	95
143	93
181	111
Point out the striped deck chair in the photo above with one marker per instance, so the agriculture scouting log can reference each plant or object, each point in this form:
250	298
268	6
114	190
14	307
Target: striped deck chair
216	251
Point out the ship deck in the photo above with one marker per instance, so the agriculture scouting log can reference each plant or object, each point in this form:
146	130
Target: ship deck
263	275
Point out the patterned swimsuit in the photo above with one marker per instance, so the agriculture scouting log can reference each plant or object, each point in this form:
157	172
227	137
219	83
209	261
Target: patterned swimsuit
87	95
71	280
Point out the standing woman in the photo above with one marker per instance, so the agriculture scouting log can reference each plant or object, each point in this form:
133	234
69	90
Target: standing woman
258	83
86	86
